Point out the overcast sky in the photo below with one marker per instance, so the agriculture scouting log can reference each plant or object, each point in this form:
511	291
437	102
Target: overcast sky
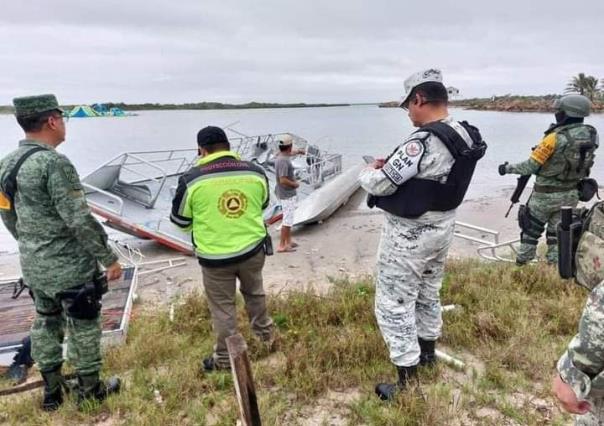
289	51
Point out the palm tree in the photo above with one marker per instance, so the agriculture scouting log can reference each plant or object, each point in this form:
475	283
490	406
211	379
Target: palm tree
586	85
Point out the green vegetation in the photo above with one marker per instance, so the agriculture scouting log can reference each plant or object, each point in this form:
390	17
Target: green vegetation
512	103
193	106
586	85
214	105
583	84
510	327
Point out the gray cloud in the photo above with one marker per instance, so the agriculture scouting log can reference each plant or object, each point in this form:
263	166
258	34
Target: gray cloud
337	51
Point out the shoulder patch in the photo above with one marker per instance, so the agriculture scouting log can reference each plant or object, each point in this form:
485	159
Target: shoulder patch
545	149
413	149
71	176
403	164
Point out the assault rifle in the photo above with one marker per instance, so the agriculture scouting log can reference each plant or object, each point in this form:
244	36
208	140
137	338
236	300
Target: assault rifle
18	287
520	185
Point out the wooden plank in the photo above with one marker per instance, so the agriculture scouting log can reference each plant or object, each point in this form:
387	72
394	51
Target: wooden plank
18	314
244	381
29	386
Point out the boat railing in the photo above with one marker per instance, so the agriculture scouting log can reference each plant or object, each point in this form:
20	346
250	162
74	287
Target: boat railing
489	241
161	180
129	174
185	158
263	149
319	168
259	147
118	211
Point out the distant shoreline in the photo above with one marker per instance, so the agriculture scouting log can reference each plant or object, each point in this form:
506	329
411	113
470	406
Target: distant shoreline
6	109
507	104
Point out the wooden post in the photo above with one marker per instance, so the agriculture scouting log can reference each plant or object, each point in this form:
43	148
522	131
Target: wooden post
244	381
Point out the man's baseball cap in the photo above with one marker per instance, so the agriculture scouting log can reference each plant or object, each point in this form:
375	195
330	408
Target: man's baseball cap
211	135
429	75
31	105
286	140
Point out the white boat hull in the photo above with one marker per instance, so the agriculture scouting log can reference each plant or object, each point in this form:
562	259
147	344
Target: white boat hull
141	206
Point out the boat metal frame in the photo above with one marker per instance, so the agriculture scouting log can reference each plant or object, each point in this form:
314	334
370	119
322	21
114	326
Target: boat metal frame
321	164
125	189
127	161
488	246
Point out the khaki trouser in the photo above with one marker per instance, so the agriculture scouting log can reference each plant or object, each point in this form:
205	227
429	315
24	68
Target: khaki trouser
220	287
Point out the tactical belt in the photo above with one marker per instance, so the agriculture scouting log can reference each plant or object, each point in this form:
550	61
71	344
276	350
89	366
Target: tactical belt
546	189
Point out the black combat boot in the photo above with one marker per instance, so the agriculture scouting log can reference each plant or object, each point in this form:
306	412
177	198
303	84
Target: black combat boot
387	391
427	356
53	392
90	387
209	365
22	362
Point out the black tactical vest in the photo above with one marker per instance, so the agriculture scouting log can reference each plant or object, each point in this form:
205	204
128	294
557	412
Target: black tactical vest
417	196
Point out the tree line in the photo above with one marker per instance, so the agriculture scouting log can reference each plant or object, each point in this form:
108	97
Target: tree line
586	85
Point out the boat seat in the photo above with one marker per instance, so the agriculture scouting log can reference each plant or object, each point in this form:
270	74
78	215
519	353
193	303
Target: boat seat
136	192
103	178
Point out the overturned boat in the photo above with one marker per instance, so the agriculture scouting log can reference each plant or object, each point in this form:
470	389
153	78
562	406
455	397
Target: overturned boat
133	192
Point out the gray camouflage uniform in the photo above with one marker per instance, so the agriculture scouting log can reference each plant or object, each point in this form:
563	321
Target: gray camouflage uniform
411	257
582	365
60	246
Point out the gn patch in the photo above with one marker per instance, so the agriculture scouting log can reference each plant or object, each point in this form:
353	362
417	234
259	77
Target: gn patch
404	163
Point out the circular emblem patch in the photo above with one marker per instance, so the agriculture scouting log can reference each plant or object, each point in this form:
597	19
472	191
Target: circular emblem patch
412	149
232	204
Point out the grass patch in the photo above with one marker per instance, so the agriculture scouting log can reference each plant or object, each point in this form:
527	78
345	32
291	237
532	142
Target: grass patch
515	321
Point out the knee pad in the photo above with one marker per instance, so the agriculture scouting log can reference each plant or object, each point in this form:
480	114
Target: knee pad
529	224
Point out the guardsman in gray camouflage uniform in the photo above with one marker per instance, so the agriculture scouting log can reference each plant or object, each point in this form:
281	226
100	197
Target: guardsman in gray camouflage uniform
579	386
419	186
563	157
60	248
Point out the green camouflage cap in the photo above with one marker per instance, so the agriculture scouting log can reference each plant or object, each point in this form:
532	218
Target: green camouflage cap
31	105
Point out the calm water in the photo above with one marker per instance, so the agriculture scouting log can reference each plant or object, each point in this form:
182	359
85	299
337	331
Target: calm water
351	131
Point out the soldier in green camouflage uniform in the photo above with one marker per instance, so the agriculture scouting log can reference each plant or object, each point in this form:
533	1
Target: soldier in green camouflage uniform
563	157
579	386
60	247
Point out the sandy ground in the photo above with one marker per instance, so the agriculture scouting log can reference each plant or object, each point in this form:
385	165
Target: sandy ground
342	247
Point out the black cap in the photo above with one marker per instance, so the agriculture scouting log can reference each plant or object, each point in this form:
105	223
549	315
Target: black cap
211	135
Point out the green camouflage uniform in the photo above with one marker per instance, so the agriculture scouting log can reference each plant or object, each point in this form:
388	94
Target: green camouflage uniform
555	185
582	365
60	246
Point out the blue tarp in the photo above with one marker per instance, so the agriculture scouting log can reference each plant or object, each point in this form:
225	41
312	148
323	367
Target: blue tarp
100	108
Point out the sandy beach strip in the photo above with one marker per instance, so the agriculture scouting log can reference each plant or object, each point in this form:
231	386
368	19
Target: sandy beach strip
342	247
